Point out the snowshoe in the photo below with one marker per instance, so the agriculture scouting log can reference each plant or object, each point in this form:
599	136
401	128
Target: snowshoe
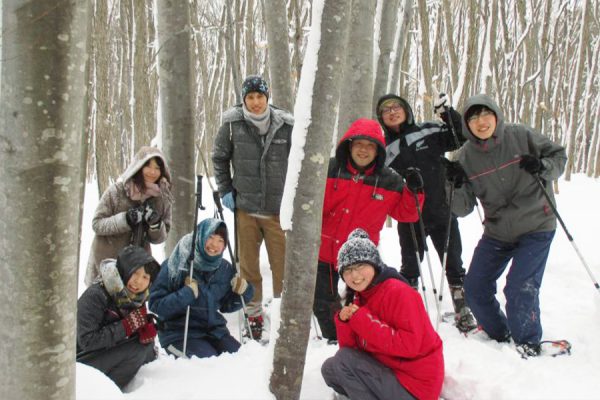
256	328
551	348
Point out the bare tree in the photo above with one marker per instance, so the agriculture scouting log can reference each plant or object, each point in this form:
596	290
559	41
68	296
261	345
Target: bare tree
301	247
177	119
41	125
387	33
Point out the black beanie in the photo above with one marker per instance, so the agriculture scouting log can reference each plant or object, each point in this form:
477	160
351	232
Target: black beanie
254	83
358	249
131	258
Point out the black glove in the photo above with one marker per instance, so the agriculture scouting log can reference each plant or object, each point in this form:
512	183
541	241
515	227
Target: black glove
414	180
455	173
531	164
151	216
134	216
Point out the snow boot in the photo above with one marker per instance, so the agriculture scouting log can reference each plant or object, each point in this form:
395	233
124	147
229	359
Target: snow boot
527	350
465	321
256	327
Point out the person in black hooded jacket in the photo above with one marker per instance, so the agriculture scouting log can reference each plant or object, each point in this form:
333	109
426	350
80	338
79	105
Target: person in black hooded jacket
422	146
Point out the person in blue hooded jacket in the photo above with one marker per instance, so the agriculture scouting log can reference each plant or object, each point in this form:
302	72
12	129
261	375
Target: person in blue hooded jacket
215	288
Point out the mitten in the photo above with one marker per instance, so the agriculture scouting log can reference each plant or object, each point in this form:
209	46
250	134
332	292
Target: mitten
192	284
134	216
147	333
455	173
134	320
440	104
229	201
152	218
531	164
414	180
238	285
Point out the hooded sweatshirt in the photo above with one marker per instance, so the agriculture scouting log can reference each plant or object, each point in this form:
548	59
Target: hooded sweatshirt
512	200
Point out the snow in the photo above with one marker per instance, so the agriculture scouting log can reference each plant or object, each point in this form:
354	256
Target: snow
475	367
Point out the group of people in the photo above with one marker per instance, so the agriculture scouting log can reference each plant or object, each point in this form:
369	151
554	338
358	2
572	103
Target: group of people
392	166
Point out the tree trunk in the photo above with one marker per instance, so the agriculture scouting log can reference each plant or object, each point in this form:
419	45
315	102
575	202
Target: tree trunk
401	45
301	247
177	119
279	53
41	140
358	68
387	33
425	55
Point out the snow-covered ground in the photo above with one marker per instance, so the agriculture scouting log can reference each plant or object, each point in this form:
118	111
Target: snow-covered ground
475	368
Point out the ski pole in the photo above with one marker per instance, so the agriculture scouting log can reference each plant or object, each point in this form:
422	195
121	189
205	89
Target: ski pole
234	261
426	251
555	211
416	244
446	246
190	259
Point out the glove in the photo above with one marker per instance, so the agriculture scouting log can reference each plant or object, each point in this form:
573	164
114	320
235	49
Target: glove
152	217
414	180
238	285
134	216
192	284
531	164
455	173
228	201
439	105
134	320
147	333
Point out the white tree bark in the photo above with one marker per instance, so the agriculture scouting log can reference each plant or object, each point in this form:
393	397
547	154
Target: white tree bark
41	134
389	20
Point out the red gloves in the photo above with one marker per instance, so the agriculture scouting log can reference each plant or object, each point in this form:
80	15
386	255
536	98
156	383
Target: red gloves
134	320
147	333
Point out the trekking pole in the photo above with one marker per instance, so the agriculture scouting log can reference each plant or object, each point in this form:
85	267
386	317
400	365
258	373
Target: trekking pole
426	251
416	244
234	261
555	211
190	259
446	246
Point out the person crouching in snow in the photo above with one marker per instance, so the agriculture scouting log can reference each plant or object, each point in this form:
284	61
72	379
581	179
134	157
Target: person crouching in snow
388	348
114	332
360	192
214	288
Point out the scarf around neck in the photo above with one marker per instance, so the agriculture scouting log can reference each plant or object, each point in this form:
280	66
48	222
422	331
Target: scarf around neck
111	279
261	121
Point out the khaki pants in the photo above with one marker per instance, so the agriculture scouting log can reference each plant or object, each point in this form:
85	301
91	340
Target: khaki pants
251	231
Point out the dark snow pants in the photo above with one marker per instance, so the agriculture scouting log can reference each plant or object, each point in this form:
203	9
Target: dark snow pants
437	231
122	362
522	319
327	300
207	347
357	375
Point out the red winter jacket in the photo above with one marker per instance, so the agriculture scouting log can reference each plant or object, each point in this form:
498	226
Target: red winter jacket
393	327
361	200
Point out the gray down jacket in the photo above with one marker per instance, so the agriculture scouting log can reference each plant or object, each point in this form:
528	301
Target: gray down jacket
512	200
259	162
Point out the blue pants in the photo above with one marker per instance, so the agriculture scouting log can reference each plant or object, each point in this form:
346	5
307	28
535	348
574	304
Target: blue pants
522	320
208	347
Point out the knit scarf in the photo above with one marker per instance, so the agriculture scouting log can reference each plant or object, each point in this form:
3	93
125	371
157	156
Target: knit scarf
261	121
113	283
135	194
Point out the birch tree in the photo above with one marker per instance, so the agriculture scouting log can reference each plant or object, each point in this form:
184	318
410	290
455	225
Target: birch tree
41	124
387	33
302	247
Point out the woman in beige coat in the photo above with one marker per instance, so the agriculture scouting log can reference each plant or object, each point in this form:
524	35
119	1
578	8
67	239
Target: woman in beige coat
136	209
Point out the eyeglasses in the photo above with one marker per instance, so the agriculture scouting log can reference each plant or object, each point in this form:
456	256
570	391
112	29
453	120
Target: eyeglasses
352	268
392	109
481	114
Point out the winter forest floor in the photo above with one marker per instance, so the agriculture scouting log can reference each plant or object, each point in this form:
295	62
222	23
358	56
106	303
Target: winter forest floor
475	367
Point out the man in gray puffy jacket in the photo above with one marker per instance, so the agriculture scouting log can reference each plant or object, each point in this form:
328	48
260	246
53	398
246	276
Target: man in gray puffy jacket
500	164
250	157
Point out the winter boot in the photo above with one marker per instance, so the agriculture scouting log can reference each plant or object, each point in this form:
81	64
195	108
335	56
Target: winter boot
256	327
465	321
527	350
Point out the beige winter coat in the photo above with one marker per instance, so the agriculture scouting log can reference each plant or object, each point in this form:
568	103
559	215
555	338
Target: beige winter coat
112	232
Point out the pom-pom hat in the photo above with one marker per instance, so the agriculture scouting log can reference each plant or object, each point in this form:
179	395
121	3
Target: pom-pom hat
358	249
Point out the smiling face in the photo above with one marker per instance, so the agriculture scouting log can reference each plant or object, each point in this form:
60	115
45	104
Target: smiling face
363	152
256	102
151	171
358	276
215	244
482	124
393	116
139	281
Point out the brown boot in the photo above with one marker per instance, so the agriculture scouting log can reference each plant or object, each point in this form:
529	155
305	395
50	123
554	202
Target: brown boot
465	321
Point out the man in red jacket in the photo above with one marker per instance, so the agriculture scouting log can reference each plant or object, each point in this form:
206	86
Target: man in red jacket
388	348
360	193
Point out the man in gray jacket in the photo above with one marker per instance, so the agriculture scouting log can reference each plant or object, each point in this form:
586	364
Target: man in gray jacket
500	164
254	140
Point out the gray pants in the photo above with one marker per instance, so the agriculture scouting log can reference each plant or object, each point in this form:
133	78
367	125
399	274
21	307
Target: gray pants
357	375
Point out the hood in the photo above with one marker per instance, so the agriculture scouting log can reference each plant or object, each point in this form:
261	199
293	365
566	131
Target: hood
144	154
483	100
410	119
366	129
131	258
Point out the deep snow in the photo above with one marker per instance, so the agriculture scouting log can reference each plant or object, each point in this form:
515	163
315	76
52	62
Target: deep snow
475	368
